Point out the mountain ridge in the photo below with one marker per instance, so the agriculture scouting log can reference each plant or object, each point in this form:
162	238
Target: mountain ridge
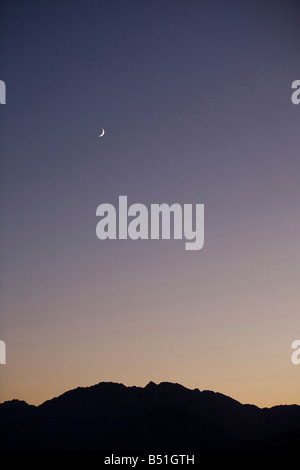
168	415
151	383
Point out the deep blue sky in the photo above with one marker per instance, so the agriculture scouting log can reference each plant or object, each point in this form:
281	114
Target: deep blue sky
195	100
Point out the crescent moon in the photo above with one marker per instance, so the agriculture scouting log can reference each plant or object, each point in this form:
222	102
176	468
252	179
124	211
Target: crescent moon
102	133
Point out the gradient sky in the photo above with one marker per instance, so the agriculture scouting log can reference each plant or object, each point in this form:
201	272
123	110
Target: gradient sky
195	98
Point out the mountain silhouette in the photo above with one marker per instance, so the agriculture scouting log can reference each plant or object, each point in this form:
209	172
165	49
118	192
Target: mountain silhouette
167	416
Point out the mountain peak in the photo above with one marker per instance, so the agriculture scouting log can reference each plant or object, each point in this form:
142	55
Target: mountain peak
15	403
151	384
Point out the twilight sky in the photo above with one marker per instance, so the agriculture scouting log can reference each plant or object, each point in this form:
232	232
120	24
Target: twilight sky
195	98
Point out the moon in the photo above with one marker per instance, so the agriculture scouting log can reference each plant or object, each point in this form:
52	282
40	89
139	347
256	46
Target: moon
102	133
